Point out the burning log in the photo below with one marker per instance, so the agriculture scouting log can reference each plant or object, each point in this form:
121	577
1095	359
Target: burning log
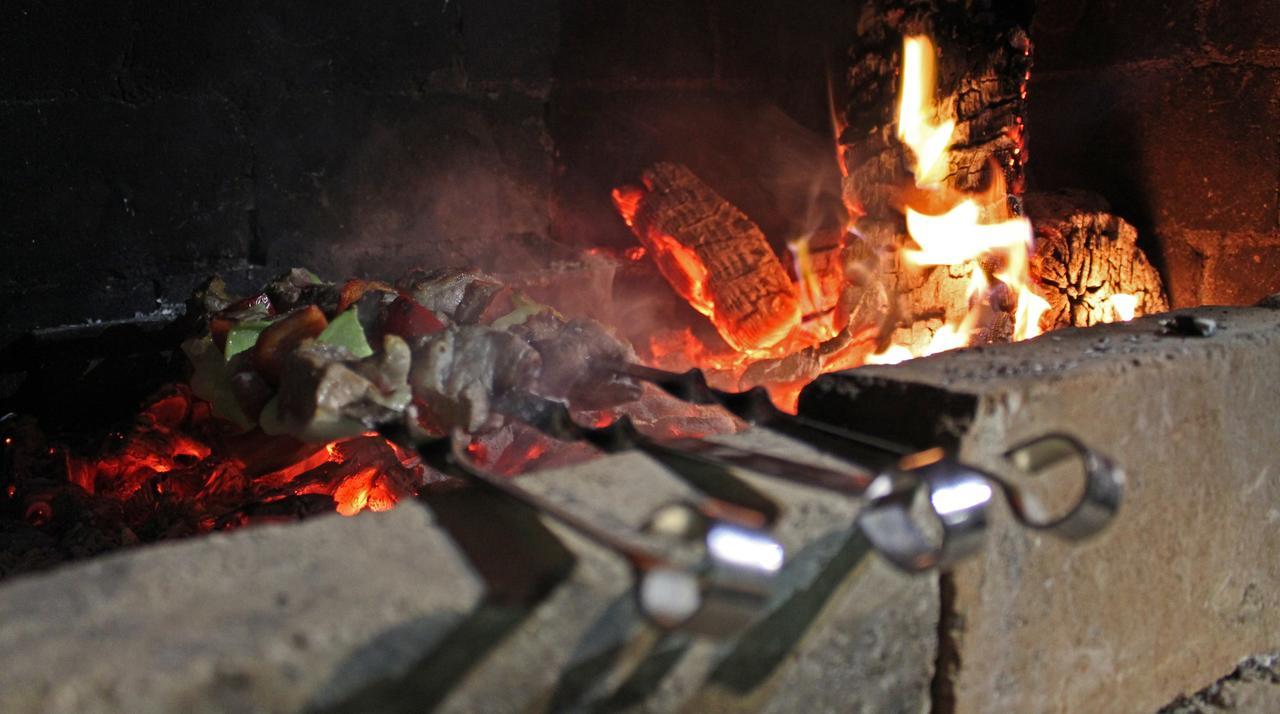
1088	263
902	148
713	255
985	66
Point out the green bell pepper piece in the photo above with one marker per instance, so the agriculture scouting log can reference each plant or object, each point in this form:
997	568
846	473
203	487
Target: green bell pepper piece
345	330
243	336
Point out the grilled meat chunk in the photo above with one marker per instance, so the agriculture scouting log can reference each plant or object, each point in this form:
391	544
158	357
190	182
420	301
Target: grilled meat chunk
326	394
457	371
572	366
459	295
289	358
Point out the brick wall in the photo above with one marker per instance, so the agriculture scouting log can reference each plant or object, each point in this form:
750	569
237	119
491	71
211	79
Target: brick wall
1172	111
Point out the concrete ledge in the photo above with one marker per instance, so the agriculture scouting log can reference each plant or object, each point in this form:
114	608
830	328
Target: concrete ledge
1183	585
842	628
266	619
475	605
447	609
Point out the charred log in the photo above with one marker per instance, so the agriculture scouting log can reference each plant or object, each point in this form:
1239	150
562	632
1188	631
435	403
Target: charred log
1085	257
985	58
712	254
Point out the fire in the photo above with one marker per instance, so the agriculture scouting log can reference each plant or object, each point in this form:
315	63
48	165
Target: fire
958	235
1123	306
969	239
712	255
689	276
928	141
178	464
367	489
970	231
893	354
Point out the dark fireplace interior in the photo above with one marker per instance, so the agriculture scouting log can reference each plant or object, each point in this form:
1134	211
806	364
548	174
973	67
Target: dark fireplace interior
151	145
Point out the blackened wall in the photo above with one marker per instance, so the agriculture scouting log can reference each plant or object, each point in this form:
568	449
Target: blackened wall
737	91
1172	111
150	142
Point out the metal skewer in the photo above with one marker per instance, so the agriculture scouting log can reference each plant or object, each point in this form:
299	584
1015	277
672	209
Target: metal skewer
698	462
694	570
890	476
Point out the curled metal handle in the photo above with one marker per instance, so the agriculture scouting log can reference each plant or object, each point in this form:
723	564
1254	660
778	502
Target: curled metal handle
957	498
720	593
952	521
1099	499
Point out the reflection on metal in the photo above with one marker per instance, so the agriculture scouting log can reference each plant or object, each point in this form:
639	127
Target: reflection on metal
709	565
949	529
744	548
953	521
961	497
693	570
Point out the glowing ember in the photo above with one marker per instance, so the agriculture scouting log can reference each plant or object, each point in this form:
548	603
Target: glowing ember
181	465
712	255
974	237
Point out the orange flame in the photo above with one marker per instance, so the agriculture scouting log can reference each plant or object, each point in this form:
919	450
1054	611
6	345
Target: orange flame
177	459
970	236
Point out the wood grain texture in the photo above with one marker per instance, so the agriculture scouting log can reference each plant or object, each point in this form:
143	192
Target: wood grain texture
1084	255
715	257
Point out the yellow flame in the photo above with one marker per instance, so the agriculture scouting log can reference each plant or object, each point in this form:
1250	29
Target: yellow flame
916	110
810	287
892	354
1026	321
956	236
1123	306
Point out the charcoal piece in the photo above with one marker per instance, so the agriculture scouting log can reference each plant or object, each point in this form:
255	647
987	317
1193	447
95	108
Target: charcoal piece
457	371
293	507
713	255
799	366
572	362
